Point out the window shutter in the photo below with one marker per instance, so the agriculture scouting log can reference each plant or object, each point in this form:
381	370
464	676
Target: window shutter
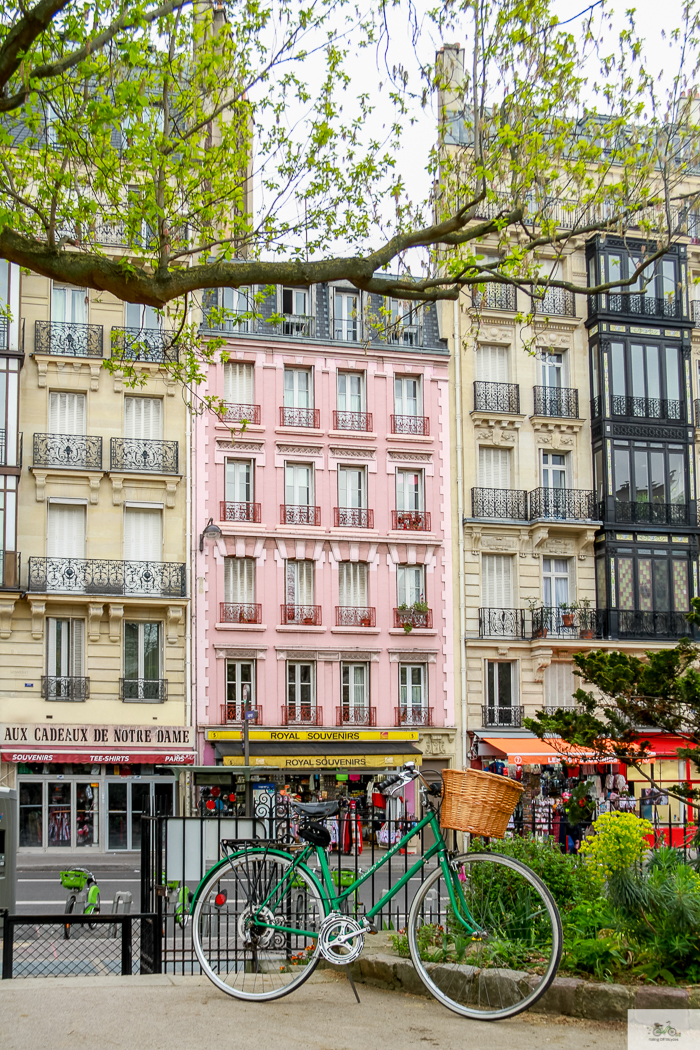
66	532
142	534
239	580
496	576
238	383
143	418
306	582
352	584
66	413
77	645
560	685
494	467
492	364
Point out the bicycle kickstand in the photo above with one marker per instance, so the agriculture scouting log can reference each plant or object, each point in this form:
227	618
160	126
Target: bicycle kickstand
352	983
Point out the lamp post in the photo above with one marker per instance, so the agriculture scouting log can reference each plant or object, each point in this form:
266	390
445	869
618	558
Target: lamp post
210	532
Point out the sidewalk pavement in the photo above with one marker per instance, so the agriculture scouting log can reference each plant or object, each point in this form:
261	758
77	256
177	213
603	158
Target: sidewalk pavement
61	859
165	1012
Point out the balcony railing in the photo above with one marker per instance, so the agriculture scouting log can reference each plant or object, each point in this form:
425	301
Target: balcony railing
347	329
10	566
410	520
560	402
596	403
413	617
100	576
353	518
303	615
143	690
293	324
359	421
240	511
300	417
642	624
495	297
650	513
563	504
301	715
144	344
558	623
499	503
356	716
502	716
556	301
695	313
242	413
501	623
355	616
68	339
235	714
299	514
635	304
646	407
413	716
406	334
74	451
143	455
240	612
497	397
65	688
417	425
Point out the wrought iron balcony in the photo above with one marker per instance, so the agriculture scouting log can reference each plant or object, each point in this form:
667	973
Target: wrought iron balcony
596	404
642	624
563	504
240	612
235	714
143	455
348	329
301	715
74	451
560	402
299	514
293	324
303	615
406	334
411	520
413	716
68	339
360	421
143	690
417	425
242	414
559	623
497	397
651	513
635	304
495	297
646	408
353	518
501	623
410	616
144	344
355	616
501	716
10	566
65	688
356	716
300	417
556	301
240	511
499	503
100	576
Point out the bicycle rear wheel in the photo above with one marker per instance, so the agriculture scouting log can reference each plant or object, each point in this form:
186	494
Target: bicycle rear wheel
513	957
250	960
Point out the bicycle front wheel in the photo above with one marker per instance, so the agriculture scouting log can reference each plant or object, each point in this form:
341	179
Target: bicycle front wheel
242	955
512	955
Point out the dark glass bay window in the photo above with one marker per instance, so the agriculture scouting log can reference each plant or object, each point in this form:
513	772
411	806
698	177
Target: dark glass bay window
646	380
649	482
649	580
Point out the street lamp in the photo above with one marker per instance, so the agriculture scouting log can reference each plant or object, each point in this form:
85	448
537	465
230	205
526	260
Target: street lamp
211	532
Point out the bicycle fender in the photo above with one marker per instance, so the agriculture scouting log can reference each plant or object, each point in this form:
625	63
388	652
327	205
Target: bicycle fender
93	894
270	853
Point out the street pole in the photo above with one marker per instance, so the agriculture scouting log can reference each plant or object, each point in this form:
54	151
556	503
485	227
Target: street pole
246	760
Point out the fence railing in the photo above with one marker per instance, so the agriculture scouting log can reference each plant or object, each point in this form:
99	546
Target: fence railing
239	413
563	504
355	616
559	402
360	421
501	623
65	687
143	690
240	612
495	297
499	503
501	716
411	520
635	304
144	344
650	513
238	713
304	615
647	407
300	417
416	425
76	451
68	339
408	715
240	511
355	716
301	715
413	617
103	576
299	514
143	455
497	397
556	301
353	518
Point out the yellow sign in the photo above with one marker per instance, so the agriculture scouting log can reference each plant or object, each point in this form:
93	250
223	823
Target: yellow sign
323	761
343	736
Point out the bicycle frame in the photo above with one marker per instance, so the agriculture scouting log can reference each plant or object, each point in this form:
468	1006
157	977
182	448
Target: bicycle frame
334	900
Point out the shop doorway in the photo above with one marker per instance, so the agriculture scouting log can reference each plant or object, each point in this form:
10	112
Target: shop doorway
62	814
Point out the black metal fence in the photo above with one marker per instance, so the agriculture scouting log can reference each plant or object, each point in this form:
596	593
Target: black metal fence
80	945
497	397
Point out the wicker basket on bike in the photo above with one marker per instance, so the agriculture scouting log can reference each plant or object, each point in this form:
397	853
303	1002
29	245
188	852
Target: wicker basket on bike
480	803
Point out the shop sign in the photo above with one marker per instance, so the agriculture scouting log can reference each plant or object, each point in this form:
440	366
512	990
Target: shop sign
30	734
323	761
320	735
126	758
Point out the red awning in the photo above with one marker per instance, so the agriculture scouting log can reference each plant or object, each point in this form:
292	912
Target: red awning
664	745
181	758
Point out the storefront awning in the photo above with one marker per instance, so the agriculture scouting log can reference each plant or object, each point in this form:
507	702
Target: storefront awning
308	755
86	757
524	750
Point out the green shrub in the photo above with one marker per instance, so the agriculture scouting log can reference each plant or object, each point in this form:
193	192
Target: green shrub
619	844
567	878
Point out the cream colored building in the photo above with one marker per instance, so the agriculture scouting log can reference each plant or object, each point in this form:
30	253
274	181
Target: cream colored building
94	636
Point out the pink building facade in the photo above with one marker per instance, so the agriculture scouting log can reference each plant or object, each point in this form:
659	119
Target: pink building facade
325	605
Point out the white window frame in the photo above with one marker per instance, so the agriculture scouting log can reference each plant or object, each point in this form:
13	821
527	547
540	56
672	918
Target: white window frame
345	471
140	661
72	656
296	665
360	570
406	587
401	400
232	484
240	700
291	390
343	378
295	487
514	684
401	488
347	326
406	672
351	703
242	580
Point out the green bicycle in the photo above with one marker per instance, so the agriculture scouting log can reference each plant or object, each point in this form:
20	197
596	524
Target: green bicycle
483	932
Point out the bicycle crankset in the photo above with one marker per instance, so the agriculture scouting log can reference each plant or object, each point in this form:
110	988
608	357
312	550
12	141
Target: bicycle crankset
341	939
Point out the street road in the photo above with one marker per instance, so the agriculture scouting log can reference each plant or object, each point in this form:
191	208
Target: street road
41	893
